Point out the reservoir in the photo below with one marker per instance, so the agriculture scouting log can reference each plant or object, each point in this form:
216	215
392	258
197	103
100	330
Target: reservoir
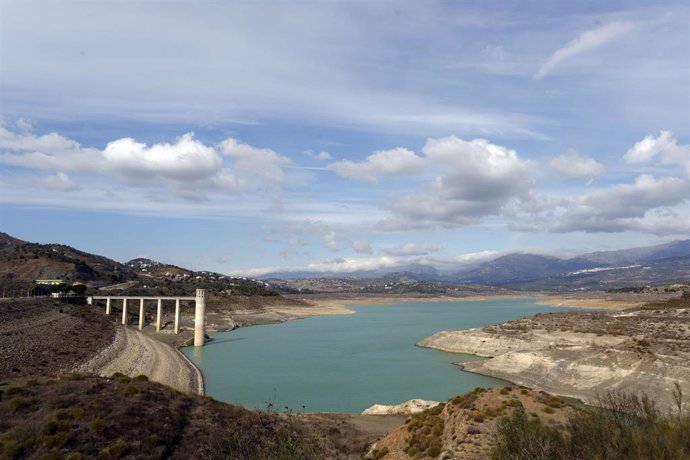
350	362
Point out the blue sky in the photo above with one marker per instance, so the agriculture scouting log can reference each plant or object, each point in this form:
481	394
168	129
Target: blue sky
246	137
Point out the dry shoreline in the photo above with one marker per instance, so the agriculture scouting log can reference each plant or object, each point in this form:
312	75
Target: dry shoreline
338	305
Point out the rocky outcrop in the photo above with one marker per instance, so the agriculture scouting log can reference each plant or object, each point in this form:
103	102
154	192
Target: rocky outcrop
641	351
488	344
587	372
413	406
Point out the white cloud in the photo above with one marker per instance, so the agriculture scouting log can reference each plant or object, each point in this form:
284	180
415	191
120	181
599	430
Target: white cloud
255	165
344	265
60	182
620	207
665	147
187	167
321	156
587	41
477	179
383	163
330	240
412	249
297	233
649	147
186	159
362	247
25	124
572	164
48	151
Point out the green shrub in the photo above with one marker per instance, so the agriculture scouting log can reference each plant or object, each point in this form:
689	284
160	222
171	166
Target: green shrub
434	451
97	426
119	448
627	427
130	390
522	438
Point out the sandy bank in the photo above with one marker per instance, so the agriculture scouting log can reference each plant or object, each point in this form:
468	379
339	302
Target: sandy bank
132	353
600	302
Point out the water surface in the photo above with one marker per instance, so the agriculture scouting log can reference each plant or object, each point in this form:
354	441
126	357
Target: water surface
348	363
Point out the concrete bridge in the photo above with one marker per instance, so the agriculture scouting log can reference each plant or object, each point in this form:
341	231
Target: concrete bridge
199	311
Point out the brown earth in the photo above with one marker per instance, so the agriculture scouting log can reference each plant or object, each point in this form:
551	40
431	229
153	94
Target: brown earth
465	426
45	337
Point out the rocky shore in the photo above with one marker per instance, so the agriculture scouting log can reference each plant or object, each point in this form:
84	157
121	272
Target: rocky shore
413	406
584	354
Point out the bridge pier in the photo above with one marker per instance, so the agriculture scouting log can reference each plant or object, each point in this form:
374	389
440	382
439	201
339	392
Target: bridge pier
141	314
159	314
107	306
124	311
199	317
177	316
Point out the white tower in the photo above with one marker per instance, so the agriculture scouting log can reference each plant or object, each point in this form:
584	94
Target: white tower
199	317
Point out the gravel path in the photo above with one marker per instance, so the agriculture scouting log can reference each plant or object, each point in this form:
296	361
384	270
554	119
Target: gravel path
132	353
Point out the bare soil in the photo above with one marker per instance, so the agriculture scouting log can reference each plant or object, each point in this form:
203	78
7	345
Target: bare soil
46	336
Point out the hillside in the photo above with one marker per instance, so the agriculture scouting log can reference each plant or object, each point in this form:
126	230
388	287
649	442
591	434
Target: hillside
21	263
48	336
465	426
521	424
93	417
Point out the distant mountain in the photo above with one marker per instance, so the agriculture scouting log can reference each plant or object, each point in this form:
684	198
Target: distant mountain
513	268
659	264
640	255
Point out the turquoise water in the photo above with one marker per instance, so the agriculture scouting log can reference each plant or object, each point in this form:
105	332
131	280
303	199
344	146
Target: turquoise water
348	363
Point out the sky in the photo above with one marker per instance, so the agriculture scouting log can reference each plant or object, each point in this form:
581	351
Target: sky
332	136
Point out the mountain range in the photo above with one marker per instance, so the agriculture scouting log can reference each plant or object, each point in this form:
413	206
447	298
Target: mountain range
651	265
23	262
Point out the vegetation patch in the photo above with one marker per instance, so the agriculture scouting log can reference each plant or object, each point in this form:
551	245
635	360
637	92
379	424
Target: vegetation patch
92	417
426	431
628	427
